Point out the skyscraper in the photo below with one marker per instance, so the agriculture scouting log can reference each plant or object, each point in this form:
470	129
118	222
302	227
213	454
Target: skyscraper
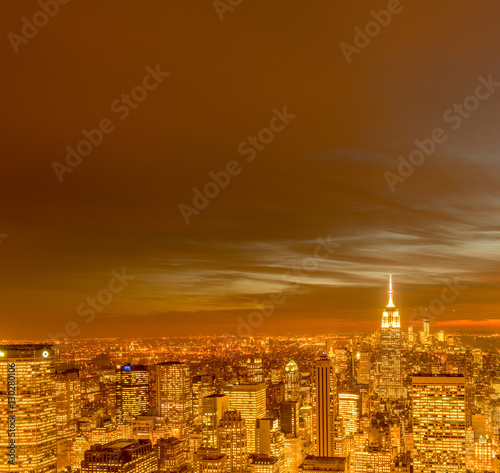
289	413
411	338
214	407
28	437
68	411
349	411
325	407
426	329
201	386
250	401
254	367
270	441
391	385
363	366
292	381
439	429
232	440
174	396
132	392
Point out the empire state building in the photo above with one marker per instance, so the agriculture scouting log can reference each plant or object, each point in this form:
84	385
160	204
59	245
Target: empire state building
391	386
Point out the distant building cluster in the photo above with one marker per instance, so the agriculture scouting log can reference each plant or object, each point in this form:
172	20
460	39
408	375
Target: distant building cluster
384	402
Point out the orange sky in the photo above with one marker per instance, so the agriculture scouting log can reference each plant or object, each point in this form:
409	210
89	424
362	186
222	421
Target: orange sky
322	175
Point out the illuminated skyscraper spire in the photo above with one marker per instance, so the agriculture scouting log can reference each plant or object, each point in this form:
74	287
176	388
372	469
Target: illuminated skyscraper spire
390	303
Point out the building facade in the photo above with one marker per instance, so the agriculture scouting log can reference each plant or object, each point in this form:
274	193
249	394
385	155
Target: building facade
28	432
439	427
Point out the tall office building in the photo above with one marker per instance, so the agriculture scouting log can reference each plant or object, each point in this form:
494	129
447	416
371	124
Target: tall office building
174	396
254	367
201	386
289	414
28	433
391	385
232	441
426	329
121	456
306	431
68	411
250	401
324	406
214	407
349	411
270	440
108	390
132	392
363	366
292	381
439	430
411	337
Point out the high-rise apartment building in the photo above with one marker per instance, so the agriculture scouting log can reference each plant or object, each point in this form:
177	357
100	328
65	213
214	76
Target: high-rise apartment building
391	385
28	433
250	400
132	392
174	396
232	441
325	407
439	428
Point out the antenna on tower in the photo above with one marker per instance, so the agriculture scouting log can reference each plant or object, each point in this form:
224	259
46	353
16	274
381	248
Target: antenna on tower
390	303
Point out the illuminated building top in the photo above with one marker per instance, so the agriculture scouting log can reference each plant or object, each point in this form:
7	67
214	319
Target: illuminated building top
390	316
